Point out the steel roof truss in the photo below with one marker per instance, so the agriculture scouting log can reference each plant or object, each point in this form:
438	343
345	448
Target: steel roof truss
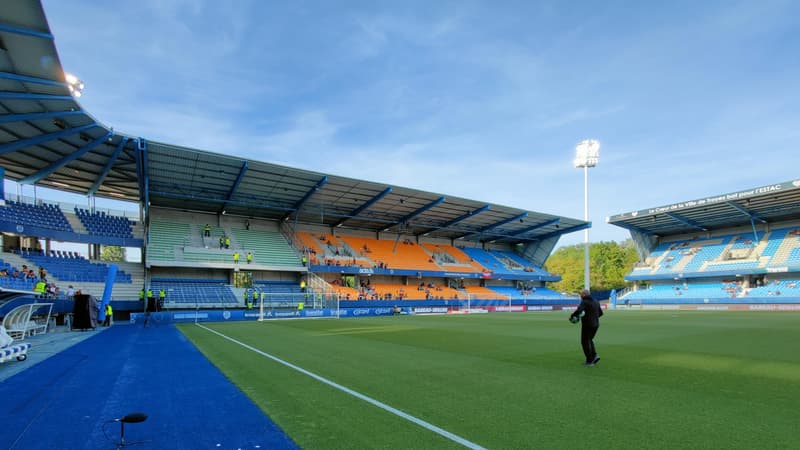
536	227
24	31
307	196
354	213
102	176
416	212
458	219
686	221
42	138
746	212
10	118
236	184
36	177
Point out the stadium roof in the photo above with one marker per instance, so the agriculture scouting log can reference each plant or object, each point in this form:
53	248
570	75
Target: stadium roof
47	139
765	204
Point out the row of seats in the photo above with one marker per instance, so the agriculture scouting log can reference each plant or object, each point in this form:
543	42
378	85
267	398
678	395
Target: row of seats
730	252
41	215
407	255
100	223
194	291
77	269
539	293
503	262
26	251
716	290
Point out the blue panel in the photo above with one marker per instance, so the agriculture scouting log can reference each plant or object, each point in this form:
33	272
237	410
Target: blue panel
112	274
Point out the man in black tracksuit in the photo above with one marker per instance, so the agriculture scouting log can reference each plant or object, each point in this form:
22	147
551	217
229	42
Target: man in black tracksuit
589	312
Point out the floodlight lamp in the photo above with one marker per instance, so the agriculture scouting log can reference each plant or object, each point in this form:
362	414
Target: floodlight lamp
587	153
74	84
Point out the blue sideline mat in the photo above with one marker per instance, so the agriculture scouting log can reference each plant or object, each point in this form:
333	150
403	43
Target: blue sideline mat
70	400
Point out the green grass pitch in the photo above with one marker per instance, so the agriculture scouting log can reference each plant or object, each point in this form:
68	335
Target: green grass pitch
516	381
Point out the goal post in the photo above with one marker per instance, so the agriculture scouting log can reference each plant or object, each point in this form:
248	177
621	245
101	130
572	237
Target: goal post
298	305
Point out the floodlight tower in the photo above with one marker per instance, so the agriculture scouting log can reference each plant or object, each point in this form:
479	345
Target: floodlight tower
587	153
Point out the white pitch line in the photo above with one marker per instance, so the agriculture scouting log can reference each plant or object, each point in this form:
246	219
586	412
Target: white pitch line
371	400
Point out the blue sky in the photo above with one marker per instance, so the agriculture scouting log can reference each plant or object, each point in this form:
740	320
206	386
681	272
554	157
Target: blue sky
483	100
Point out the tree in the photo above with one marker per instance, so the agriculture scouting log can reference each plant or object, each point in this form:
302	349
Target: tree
112	253
609	262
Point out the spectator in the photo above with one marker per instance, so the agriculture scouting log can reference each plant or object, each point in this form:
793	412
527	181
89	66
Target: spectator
40	288
71	292
109	313
247	224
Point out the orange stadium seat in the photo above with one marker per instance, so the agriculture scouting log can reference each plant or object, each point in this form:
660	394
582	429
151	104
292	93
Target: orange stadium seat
395	255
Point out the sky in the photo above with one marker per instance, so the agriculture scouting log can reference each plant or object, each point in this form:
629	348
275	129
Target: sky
473	99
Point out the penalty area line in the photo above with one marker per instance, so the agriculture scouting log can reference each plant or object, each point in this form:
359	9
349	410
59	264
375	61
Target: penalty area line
384	406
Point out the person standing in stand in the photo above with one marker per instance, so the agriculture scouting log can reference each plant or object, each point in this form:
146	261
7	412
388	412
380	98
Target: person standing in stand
109	313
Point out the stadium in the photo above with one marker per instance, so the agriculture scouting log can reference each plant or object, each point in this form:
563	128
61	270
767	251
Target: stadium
411	354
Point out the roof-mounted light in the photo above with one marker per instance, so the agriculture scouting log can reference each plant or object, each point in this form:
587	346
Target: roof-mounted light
74	84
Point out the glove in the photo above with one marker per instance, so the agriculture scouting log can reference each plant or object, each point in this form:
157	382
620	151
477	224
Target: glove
573	319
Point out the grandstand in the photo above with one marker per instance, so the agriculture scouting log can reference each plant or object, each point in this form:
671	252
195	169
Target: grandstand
740	248
198	211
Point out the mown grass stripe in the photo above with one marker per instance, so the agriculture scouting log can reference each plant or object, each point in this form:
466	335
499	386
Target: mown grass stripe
385	407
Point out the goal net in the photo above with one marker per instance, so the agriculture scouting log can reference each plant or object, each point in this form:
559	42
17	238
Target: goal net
308	304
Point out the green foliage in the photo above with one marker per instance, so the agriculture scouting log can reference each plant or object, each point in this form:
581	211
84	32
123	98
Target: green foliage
609	262
112	253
